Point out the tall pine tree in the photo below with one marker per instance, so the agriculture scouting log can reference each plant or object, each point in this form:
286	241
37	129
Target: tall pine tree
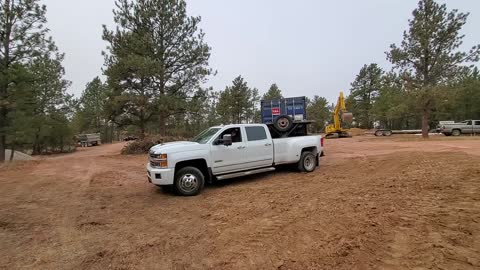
428	55
156	57
23	37
363	92
273	93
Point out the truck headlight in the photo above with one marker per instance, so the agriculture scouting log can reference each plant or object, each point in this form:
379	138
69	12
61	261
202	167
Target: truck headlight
159	160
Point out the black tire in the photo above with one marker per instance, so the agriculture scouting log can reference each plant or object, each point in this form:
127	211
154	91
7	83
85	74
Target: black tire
307	162
387	133
189	181
456	132
378	133
283	123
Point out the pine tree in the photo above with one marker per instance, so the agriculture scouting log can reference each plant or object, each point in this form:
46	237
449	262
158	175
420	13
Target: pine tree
363	92
273	93
90	115
428	55
51	104
318	110
23	37
156	58
238	103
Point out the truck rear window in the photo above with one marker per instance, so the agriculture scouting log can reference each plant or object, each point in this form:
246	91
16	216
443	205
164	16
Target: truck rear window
256	133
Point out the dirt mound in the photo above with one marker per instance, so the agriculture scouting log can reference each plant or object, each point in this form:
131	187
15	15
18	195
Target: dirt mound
17	155
143	146
358	131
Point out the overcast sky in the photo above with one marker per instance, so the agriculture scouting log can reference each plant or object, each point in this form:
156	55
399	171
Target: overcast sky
307	47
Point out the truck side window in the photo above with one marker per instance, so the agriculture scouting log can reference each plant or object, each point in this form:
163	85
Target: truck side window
477	123
469	122
235	132
256	133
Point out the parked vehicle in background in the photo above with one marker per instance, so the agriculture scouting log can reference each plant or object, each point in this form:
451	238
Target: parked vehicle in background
464	127
86	140
224	152
130	138
441	123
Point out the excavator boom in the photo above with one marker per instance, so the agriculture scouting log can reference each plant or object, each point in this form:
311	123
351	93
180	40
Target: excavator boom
340	115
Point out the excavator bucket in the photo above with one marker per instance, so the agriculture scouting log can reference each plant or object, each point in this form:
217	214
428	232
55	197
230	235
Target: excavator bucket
347	117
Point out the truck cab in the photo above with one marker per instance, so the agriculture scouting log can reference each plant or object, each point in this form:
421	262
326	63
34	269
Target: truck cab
230	151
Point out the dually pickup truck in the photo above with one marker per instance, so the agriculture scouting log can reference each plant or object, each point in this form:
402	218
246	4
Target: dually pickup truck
465	127
229	151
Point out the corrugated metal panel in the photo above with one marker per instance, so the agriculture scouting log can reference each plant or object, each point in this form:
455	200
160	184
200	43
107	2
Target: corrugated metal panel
295	107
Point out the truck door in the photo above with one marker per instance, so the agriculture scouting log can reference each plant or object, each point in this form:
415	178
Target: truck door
259	147
476	127
467	127
229	158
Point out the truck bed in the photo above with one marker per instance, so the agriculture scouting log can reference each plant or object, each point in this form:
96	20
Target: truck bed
284	147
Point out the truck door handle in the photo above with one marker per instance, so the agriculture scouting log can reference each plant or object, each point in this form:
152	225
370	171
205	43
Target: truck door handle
241	147
268	144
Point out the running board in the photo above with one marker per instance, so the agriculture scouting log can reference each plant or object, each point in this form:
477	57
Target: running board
234	175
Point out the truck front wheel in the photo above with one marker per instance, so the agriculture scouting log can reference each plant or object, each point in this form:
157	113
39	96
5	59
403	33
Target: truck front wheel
189	181
456	132
307	162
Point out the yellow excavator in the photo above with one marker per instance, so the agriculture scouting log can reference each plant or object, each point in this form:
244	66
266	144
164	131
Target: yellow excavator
340	116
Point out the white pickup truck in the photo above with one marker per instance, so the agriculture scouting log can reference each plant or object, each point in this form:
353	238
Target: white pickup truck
229	151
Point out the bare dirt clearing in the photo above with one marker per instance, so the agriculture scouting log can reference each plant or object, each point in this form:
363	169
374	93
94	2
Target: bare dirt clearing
374	203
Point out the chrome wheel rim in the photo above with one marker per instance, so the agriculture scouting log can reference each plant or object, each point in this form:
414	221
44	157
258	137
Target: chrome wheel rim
309	163
188	183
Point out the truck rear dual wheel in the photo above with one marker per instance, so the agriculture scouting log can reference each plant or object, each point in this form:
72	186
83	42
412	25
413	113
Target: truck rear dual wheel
189	181
307	162
456	132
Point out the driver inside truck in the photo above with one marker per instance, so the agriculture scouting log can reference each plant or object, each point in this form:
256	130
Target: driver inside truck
235	133
236	136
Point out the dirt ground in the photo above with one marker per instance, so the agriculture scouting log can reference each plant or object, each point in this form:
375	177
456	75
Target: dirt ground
375	203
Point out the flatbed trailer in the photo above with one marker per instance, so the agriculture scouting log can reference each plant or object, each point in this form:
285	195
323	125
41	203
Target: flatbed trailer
299	128
390	132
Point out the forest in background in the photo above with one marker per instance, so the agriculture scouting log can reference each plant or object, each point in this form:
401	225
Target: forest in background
157	65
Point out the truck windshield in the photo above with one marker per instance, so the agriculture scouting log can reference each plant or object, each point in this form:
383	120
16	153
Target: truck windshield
205	135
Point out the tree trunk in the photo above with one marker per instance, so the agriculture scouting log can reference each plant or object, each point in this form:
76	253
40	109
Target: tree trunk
36	144
2	148
12	154
3	137
162	122
3	123
425	126
142	129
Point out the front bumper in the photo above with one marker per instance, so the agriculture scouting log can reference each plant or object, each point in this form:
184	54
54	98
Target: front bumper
160	177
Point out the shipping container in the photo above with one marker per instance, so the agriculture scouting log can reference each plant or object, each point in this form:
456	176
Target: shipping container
294	107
